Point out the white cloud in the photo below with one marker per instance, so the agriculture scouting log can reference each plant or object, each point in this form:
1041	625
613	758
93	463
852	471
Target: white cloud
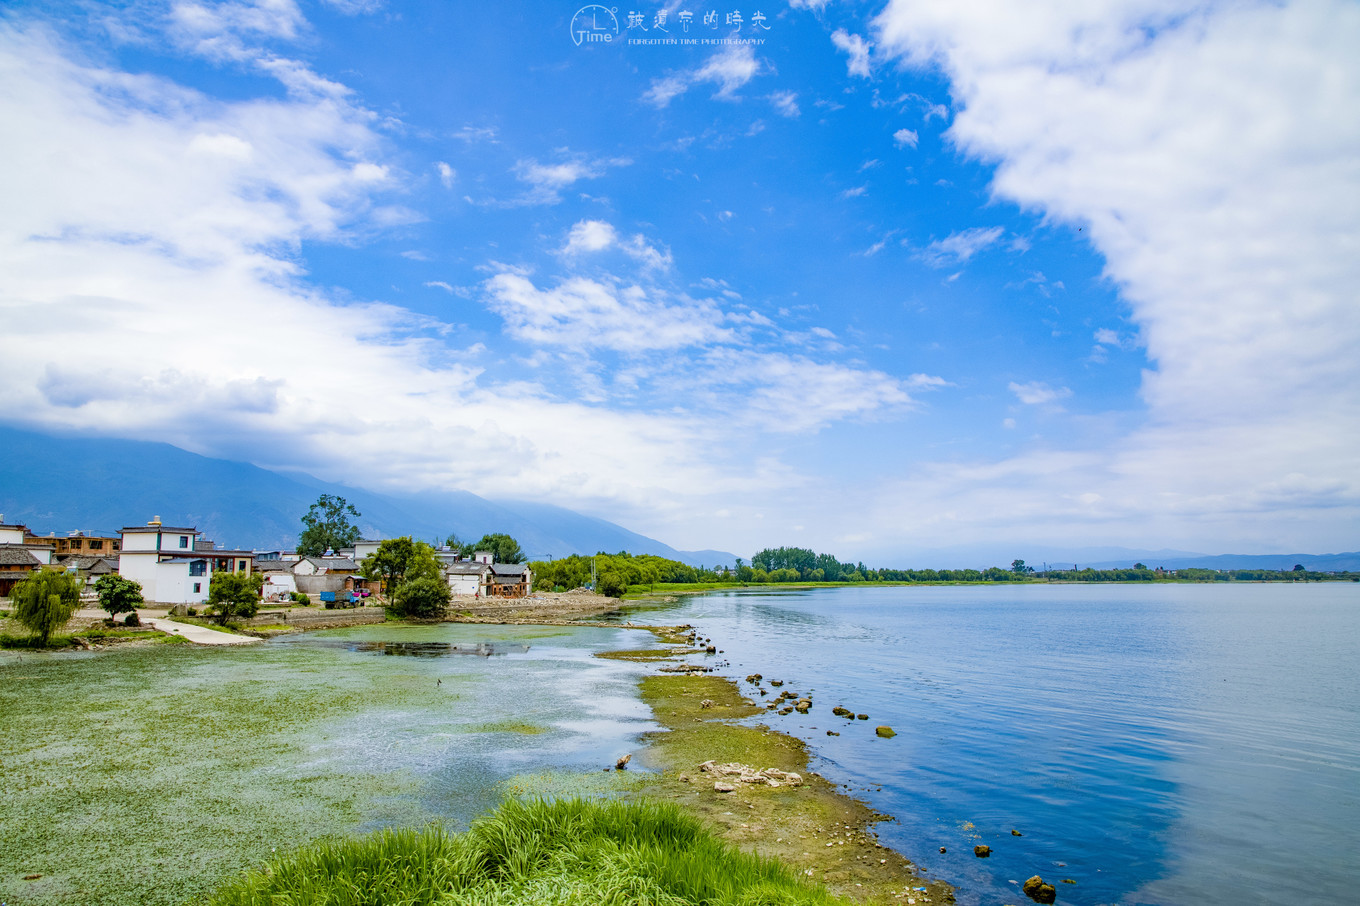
815	5
439	284
905	138
1201	149
584	313
599	235
786	102
857	49
546	181
446	174
729	69
957	248
1037	393
854	192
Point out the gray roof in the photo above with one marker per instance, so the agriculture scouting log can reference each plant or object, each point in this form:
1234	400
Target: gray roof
88	562
12	556
466	569
509	569
331	564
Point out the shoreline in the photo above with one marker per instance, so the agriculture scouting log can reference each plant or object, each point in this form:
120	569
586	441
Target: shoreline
802	826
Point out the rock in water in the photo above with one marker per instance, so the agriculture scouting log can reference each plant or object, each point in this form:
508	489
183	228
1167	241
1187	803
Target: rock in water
981	851
623	762
1016	833
943	850
862	716
1038	891
885	731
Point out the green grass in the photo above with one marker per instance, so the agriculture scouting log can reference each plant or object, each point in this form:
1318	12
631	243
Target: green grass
563	852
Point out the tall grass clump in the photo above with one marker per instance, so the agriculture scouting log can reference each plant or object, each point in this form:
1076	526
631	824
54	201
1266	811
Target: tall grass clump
568	852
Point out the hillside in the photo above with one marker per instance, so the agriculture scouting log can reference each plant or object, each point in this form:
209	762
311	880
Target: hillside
61	484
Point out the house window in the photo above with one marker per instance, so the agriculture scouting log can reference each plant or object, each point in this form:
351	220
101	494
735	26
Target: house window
183	540
240	566
96	544
198	588
198	568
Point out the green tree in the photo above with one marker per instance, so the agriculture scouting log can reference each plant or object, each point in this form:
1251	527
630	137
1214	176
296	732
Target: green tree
234	595
117	594
612	584
45	601
399	560
454	543
326	526
502	546
424	598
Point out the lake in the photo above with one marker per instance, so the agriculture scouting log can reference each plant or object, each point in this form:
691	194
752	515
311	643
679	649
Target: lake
1155	744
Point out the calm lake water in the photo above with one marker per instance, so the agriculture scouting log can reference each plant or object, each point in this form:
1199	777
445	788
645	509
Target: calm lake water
1172	744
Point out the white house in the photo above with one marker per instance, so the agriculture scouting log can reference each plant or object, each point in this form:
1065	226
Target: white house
166	563
172	564
468	577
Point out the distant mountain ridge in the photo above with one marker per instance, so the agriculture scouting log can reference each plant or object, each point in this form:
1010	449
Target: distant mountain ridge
61	484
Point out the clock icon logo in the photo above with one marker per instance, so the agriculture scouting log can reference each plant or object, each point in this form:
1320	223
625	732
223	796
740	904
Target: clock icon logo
594	24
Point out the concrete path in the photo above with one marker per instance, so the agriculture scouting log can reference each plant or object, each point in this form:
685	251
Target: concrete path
200	635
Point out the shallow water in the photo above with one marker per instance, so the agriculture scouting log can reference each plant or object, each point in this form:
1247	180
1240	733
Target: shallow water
147	775
1167	744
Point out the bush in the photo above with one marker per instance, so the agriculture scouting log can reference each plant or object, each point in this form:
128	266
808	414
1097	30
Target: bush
192	611
132	620
300	598
45	601
424	598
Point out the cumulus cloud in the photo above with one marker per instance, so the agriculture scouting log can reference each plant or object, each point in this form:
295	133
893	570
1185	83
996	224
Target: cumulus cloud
729	69
1200	148
446	174
905	138
599	236
857	49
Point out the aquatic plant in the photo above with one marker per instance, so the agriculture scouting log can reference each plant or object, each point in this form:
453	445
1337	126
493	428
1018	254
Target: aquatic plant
563	851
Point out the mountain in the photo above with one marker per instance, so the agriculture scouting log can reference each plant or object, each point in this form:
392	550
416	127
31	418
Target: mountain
61	484
1315	562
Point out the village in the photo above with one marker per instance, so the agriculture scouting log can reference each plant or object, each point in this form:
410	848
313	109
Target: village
174	566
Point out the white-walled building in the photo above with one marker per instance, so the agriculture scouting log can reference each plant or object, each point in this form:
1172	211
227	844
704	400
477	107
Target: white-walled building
164	560
172	564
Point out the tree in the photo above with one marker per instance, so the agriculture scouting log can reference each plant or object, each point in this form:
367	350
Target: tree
504	548
234	595
1018	566
45	601
327	526
425	598
118	595
454	543
1298	568
399	560
612	585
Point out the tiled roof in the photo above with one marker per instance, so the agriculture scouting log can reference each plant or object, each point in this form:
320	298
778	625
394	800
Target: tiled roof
509	569
17	556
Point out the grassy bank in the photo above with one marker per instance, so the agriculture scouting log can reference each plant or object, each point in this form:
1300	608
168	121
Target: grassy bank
530	853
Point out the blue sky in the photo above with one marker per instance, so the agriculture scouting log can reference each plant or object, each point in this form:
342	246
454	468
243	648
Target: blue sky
881	279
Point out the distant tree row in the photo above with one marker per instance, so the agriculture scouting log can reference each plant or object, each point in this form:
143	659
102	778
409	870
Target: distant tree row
616	572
